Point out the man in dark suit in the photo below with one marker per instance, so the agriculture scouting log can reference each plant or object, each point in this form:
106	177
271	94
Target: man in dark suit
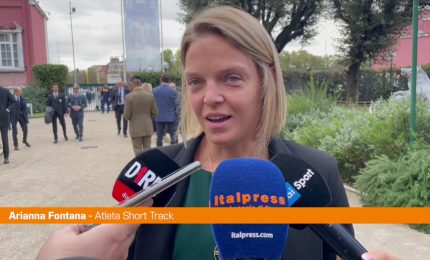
166	99
6	105
19	114
77	103
57	101
118	99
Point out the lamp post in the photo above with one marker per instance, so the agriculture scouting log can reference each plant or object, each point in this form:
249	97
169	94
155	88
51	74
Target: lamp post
72	10
124	68
392	58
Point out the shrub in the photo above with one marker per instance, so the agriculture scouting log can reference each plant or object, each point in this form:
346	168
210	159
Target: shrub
48	74
404	182
37	96
353	135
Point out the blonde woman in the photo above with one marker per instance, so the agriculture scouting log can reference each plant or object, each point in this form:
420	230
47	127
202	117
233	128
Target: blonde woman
233	105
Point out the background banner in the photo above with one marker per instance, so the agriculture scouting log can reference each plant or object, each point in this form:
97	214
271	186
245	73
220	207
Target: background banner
142	35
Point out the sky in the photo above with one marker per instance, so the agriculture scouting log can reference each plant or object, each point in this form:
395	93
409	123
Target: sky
97	32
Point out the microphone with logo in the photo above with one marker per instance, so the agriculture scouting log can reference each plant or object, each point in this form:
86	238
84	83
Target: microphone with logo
248	183
143	171
149	175
309	189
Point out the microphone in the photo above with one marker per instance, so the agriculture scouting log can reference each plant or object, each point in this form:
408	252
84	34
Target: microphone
143	171
309	189
144	177
248	183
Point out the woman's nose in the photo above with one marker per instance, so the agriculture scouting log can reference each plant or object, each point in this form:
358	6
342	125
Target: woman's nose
212	95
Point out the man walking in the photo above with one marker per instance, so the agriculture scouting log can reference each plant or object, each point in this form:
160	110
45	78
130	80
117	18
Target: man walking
118	99
76	104
105	98
19	114
166	99
6	104
58	102
139	108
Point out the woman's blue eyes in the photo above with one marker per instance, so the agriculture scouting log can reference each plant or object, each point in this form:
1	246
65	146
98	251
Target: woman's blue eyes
194	82
233	78
228	79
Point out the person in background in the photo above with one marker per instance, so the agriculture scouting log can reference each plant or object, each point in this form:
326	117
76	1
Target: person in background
6	105
118	99
19	115
172	85
58	101
76	104
105	98
166	98
147	87
178	109
140	107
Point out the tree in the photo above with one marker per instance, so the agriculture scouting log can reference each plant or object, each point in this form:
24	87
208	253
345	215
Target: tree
300	60
370	29
285	20
48	74
174	62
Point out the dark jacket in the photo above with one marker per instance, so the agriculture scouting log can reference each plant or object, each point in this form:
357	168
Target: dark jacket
116	98
81	101
166	99
156	242
58	104
19	110
6	102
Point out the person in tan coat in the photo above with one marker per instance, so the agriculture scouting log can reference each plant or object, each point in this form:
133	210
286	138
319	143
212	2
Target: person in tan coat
140	106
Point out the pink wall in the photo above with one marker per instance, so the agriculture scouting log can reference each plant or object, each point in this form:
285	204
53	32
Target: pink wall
39	37
403	50
32	22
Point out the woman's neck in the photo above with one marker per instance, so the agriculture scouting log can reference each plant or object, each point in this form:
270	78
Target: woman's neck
211	155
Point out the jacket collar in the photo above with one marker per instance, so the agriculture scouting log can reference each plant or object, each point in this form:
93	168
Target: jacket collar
186	156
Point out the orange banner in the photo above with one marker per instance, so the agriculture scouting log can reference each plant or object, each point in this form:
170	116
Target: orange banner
88	215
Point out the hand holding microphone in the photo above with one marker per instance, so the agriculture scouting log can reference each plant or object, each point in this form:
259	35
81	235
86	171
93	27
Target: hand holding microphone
146	180
110	242
143	178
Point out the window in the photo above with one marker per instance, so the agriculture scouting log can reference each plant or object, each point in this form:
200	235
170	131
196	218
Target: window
11	54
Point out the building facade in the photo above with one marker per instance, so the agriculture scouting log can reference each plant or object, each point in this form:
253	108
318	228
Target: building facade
23	41
401	57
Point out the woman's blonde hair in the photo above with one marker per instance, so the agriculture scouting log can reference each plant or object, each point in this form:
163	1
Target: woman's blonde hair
147	87
249	36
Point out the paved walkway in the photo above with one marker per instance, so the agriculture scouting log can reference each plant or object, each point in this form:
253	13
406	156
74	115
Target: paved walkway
82	174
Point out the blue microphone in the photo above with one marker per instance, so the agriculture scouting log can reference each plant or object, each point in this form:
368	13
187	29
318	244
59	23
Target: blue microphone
249	183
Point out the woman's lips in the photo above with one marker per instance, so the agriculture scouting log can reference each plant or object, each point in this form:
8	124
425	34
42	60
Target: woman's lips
217	120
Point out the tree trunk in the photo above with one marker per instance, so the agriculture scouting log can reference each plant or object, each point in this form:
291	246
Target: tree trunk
352	82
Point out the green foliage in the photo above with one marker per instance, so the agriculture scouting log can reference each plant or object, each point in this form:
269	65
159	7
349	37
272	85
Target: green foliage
353	135
373	85
369	30
154	77
174	63
37	96
426	68
294	18
401	182
300	60
47	74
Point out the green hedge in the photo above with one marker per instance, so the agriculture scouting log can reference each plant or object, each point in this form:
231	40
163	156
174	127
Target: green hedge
355	135
373	85
37	96
401	182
